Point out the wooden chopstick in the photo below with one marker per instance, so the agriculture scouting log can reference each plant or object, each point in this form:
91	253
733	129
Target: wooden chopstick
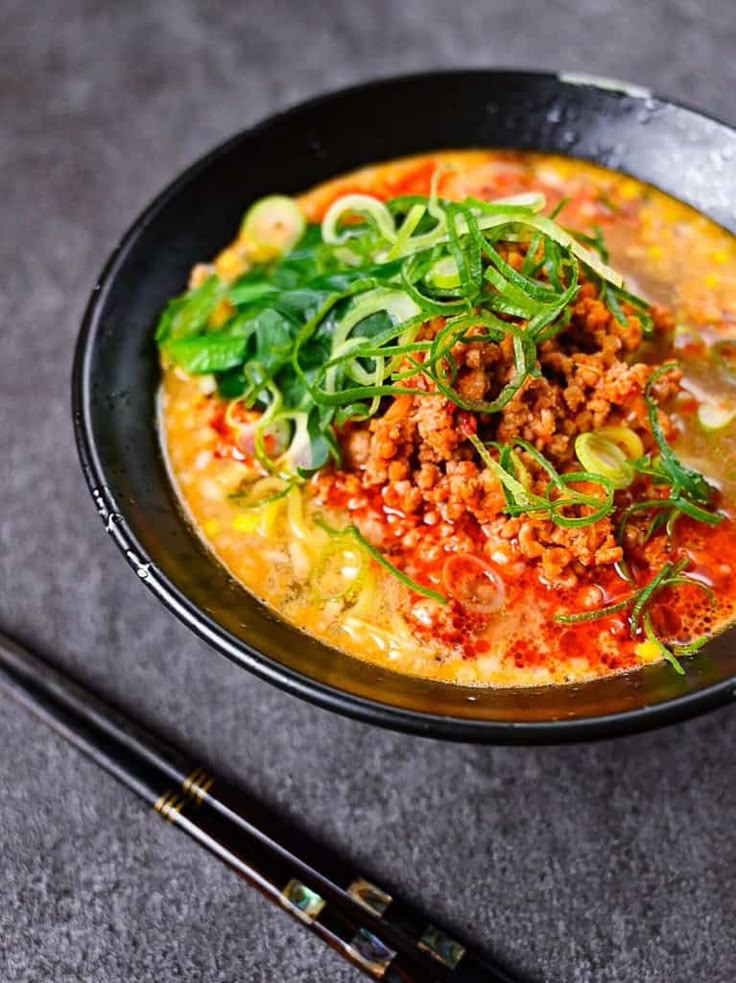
383	936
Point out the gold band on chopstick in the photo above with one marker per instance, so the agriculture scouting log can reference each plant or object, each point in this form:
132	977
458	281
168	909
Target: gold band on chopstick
195	787
169	804
197	784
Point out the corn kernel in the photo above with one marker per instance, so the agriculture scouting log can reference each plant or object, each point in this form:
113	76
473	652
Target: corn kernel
648	651
720	256
246	522
210	527
654	252
230	263
629	190
257	252
711	281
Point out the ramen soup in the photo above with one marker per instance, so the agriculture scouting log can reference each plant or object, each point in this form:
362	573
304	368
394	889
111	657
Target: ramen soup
470	416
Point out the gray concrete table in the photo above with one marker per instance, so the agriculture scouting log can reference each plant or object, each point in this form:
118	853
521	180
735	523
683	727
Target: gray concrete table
612	862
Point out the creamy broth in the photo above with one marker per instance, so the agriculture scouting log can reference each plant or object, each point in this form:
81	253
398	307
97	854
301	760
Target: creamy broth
286	551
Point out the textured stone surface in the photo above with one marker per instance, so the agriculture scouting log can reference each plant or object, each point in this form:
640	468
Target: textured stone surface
612	862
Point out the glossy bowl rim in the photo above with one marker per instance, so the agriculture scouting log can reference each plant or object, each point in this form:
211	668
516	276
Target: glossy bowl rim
553	731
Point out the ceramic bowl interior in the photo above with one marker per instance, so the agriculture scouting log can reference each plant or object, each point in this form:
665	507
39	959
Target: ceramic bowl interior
116	374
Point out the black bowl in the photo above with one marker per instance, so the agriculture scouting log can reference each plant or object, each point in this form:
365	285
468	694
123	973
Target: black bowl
116	375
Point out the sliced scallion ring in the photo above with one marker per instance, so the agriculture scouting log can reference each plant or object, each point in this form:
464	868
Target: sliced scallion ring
357	204
443	274
273	226
714	416
533	201
339	571
624	438
473	583
602	456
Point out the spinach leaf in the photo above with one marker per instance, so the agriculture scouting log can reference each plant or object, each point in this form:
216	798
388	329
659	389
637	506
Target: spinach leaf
245	292
208	353
231	383
187	314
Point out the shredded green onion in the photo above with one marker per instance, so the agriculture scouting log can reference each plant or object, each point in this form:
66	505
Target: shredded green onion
354	533
329	322
670	575
682	477
558	495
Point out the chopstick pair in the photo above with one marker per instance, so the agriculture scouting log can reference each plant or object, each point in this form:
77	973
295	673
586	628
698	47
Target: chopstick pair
383	936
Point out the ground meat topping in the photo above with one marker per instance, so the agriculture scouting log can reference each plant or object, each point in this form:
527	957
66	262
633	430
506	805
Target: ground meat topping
418	458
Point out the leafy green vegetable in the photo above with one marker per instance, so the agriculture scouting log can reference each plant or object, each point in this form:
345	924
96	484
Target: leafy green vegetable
322	334
208	353
683	479
187	315
352	532
558	496
670	575
688	493
248	293
231	384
